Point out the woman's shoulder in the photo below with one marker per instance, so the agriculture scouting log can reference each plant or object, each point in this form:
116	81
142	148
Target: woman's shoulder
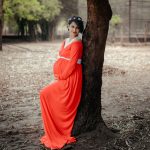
77	44
73	42
78	40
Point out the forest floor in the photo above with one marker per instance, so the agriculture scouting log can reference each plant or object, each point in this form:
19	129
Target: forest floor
25	68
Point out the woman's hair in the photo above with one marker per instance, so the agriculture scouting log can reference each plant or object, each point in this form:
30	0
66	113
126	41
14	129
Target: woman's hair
78	21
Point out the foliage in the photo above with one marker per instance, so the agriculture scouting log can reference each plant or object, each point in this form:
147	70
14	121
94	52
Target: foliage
8	12
31	9
26	9
115	20
115	23
50	9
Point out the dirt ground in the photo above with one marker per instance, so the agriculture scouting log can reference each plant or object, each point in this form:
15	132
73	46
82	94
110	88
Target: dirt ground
27	67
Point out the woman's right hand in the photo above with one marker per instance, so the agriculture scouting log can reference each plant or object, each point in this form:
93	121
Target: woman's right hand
56	77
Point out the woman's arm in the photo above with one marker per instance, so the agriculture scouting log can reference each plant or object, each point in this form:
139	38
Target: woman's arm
76	49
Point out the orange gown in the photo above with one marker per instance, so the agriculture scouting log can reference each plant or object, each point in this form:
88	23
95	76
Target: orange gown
60	99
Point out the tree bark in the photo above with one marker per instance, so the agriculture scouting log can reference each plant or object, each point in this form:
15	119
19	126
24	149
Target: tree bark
52	29
31	25
89	116
21	24
47	28
1	22
44	29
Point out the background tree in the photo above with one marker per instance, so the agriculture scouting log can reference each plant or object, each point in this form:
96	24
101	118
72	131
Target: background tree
114	26
38	18
1	22
48	21
94	39
24	12
28	13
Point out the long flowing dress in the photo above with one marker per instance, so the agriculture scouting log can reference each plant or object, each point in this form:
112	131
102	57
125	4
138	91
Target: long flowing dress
60	99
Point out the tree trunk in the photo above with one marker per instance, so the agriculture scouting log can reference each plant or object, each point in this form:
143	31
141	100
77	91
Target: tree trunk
1	22
44	29
22	24
31	25
52	29
89	116
48	29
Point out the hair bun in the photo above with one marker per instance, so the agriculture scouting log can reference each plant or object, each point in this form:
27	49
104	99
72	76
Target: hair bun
74	18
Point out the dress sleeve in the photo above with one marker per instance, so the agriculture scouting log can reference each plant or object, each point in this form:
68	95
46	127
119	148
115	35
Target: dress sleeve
76	49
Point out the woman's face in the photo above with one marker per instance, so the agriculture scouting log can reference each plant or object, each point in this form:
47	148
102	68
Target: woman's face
73	30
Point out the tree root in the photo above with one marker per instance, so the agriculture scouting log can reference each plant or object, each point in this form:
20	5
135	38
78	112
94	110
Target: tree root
95	139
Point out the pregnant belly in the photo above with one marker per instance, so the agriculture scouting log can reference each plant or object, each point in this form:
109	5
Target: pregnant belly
56	68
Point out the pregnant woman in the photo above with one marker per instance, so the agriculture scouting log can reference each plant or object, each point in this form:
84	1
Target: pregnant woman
59	100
